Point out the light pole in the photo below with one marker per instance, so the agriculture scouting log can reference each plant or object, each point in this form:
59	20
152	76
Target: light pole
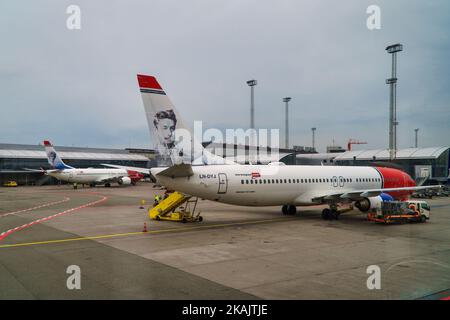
286	101
416	141
392	81
252	84
313	138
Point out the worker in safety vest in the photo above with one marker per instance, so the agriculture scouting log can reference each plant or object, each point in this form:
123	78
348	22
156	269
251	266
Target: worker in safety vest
157	199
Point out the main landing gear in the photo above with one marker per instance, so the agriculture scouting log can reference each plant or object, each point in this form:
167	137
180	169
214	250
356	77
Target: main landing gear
289	210
330	214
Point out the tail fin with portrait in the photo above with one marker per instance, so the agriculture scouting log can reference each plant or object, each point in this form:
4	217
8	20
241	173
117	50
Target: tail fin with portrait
172	138
53	158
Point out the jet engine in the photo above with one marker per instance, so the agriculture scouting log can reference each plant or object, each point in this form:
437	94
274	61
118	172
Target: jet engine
124	180
367	204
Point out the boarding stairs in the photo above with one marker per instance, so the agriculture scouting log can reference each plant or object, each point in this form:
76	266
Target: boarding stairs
176	207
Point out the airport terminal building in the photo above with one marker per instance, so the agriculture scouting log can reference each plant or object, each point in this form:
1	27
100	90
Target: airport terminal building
431	163
15	159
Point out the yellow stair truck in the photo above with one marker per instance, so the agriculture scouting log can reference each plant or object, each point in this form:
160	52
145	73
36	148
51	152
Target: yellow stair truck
166	209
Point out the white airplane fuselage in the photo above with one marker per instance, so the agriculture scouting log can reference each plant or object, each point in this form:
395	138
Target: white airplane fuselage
270	185
88	176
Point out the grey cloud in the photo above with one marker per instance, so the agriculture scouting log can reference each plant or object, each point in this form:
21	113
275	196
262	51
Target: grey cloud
79	87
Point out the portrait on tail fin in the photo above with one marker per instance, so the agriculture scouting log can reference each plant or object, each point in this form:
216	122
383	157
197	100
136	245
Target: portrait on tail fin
173	139
165	123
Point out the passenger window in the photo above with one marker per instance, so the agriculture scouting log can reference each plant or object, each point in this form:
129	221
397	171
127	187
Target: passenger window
246	181
242	181
285	181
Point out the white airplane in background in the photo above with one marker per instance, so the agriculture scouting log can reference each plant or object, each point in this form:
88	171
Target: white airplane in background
91	176
197	172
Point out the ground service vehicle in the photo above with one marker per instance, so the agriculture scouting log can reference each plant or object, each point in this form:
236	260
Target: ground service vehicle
10	184
401	211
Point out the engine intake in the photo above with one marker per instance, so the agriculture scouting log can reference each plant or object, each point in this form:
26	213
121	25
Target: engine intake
124	181
367	204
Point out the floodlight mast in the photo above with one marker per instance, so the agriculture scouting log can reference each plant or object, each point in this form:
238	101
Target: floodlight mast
252	83
286	124
393	49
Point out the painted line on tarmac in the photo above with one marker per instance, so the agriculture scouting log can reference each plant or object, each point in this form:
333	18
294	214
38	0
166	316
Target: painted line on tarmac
4	234
48	204
169	230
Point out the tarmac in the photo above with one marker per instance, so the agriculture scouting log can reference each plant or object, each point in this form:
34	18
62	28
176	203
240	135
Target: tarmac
235	253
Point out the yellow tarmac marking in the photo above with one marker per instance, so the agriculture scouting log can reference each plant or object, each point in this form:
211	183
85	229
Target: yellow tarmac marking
212	226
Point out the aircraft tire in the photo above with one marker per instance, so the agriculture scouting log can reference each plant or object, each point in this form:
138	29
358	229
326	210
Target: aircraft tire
291	210
326	214
334	215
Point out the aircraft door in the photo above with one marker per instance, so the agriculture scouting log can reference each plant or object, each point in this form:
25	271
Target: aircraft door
223	183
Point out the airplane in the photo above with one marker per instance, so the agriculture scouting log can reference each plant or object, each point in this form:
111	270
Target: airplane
91	176
197	172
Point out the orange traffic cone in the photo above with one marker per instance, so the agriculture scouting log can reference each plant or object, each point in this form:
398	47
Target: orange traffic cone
145	227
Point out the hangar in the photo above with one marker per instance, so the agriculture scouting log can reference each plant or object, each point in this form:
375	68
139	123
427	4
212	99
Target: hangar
16	158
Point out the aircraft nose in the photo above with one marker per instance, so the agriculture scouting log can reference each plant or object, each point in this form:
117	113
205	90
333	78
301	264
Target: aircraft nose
409	180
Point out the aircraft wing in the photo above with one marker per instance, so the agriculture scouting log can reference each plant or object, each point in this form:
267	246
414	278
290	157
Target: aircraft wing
360	194
42	170
177	171
137	169
34	170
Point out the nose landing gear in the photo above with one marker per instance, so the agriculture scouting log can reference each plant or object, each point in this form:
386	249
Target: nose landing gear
289	210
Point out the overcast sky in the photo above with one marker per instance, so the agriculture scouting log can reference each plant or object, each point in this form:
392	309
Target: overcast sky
78	87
